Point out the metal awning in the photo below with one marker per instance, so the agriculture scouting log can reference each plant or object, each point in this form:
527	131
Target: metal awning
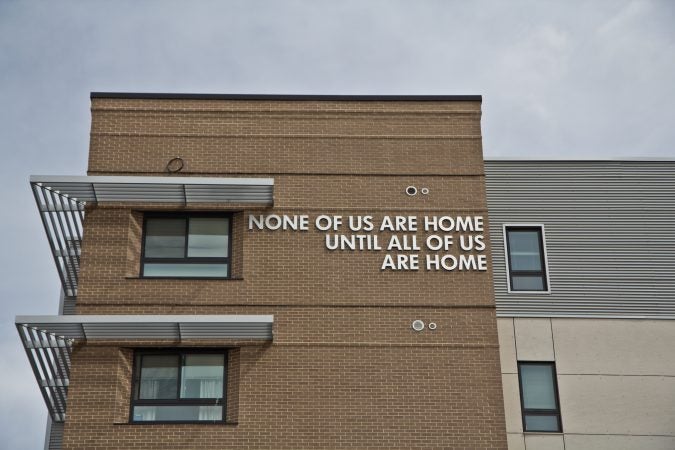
116	327
48	340
61	201
183	190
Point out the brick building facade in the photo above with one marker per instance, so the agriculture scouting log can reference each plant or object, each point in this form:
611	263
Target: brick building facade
345	368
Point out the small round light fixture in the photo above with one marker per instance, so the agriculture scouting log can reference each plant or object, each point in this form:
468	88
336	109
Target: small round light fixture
424	191
418	325
411	190
432	326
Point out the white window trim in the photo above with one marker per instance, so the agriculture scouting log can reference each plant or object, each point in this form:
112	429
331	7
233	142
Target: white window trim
506	257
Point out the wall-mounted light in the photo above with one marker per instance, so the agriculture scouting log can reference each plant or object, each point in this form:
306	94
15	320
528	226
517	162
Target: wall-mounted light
175	165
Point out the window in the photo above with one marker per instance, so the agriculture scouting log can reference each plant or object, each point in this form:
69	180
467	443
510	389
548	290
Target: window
526	258
176	386
539	396
186	246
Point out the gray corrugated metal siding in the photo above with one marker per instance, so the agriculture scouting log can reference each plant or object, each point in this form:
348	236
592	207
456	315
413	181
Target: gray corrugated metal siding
610	235
55	437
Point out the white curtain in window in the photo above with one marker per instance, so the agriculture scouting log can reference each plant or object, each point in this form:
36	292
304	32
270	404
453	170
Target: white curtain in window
149	389
145	413
210	388
210	413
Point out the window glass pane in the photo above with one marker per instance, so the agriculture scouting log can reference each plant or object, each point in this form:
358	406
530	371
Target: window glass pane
208	237
165	238
202	376
541	423
159	377
184	270
177	413
527	283
537	380
524	250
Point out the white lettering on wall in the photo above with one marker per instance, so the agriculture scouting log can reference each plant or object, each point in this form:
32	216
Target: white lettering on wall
275	222
457	242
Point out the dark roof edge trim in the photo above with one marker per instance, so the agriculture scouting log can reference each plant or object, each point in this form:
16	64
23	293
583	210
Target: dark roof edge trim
284	97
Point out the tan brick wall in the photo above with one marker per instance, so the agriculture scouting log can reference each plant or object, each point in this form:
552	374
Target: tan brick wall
317	397
278	267
217	137
345	370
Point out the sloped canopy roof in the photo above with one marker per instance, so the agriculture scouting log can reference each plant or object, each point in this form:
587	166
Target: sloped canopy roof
184	190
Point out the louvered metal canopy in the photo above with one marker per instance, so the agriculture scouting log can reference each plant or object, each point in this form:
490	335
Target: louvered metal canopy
183	190
121	327
48	340
61	201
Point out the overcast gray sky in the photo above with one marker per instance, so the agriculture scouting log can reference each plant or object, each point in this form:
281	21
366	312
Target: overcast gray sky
558	79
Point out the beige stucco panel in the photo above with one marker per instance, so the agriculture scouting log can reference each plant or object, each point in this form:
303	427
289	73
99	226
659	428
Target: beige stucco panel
614	347
533	340
544	442
594	442
515	441
514	421
597	404
507	345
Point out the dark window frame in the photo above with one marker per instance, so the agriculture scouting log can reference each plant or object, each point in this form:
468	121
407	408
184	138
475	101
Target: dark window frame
543	273
540	412
181	352
186	260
